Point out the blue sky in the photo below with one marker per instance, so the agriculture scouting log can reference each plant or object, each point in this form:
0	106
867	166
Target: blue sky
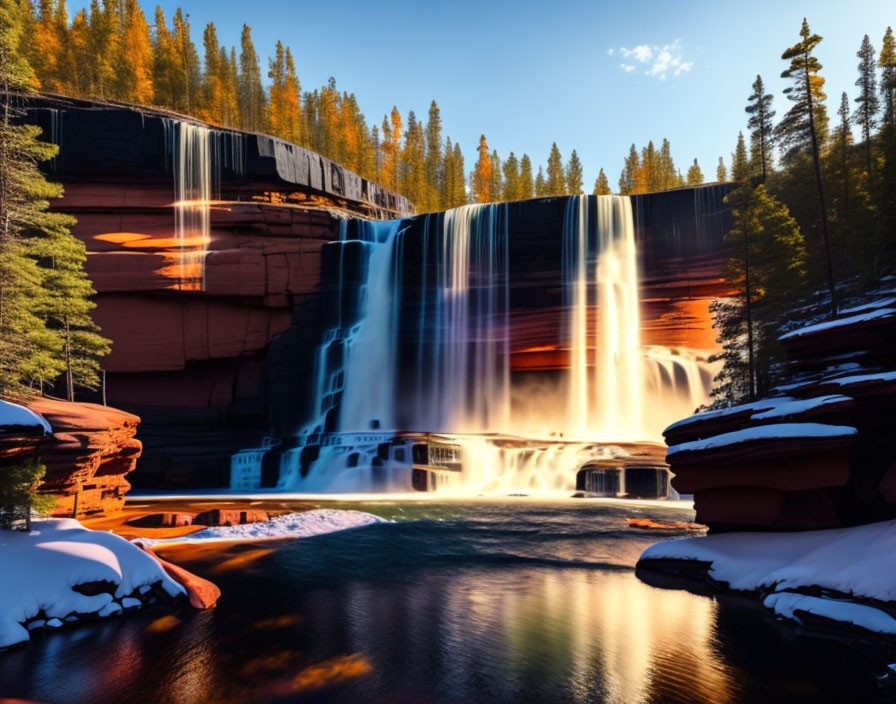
529	73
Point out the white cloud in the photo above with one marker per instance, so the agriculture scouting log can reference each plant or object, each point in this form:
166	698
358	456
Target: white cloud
642	53
657	61
610	52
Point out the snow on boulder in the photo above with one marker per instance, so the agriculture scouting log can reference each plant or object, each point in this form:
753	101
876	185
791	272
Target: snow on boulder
776	431
852	567
13	415
41	570
833	325
305	524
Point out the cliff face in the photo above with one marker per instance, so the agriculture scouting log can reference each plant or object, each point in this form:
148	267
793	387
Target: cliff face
87	456
216	310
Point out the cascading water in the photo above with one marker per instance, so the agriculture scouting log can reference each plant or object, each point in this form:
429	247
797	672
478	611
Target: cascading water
192	193
600	279
463	345
409	363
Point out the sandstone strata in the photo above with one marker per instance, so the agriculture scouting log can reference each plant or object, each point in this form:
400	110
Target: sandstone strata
843	378
87	456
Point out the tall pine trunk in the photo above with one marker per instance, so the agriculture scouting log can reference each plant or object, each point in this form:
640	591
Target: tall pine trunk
749	318
824	214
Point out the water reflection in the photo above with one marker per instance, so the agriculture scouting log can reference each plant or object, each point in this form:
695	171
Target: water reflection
457	603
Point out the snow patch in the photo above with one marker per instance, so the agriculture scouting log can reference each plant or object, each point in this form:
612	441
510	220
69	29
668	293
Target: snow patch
775	431
305	524
854	562
840	322
794	407
40	568
14	415
787	604
763	409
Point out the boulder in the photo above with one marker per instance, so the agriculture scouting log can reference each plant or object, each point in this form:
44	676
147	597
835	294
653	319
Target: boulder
88	454
229	517
162	520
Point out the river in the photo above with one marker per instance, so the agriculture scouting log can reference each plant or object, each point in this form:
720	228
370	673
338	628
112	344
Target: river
466	601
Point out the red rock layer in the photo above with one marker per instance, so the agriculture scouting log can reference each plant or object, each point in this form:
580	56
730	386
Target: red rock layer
813	481
91	450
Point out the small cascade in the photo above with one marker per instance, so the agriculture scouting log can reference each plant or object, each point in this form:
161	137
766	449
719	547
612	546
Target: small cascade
196	155
192	199
370	356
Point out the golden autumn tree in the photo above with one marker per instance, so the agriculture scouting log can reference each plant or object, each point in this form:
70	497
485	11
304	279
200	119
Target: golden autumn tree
136	57
43	44
482	174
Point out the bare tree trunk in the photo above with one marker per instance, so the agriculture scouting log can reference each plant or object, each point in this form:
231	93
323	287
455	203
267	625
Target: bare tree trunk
69	377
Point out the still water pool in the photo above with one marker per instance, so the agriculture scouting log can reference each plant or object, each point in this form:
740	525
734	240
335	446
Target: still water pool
479	601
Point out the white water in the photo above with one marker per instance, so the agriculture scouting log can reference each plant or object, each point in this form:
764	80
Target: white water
454	378
463	345
601	284
192	193
370	358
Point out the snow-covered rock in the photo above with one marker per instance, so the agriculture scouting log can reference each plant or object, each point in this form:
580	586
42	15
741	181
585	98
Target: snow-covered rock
13	415
305	524
776	431
852	567
40	570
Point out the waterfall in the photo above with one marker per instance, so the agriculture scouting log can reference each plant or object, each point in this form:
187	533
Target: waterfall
600	278
423	356
463	344
192	198
370	353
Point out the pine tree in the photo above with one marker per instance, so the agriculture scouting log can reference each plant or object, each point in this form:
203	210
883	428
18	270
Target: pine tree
804	127
740	162
433	159
759	108
540	184
412	183
887	63
135	60
253	102
556	179
721	171
843	201
482	174
186	86
459	196
768	269
496	187
291	120
527	185
629	170
44	291
574	176
667	177
869	104
511	168
886	187
695	175
601	185
651	179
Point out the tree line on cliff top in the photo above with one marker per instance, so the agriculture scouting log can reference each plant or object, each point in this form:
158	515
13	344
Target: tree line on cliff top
111	51
822	220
